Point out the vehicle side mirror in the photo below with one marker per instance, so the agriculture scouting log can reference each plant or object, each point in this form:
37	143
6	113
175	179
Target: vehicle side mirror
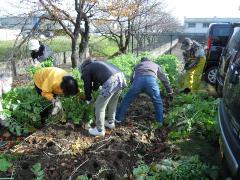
234	74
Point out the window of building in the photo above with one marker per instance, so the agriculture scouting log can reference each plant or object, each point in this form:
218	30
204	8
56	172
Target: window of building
205	25
191	25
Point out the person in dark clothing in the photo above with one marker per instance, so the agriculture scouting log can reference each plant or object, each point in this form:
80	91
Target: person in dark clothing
112	80
144	80
40	52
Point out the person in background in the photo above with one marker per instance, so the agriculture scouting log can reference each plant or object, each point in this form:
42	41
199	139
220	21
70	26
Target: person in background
52	81
195	59
39	51
5	86
144	80
96	74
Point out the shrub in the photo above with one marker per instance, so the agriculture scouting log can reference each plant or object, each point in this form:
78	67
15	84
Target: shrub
193	114
170	65
22	108
185	168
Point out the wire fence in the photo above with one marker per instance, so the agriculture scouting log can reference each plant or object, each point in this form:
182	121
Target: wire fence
140	42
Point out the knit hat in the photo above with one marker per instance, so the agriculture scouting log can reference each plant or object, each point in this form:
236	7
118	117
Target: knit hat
33	44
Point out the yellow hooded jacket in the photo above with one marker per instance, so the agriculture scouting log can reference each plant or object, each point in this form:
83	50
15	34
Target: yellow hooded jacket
48	80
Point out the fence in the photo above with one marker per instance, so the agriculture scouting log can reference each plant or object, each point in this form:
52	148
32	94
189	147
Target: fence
23	64
140	42
157	43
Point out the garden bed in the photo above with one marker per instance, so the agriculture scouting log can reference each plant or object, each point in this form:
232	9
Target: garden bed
64	149
136	148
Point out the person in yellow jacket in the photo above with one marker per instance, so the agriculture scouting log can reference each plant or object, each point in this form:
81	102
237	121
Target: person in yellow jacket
195	59
52	81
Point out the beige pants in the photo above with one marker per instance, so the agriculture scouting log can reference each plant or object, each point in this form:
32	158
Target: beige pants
106	106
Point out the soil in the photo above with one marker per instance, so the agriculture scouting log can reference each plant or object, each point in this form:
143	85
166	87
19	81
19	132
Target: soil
21	80
66	151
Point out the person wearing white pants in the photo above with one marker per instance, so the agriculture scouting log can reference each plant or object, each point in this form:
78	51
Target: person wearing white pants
112	80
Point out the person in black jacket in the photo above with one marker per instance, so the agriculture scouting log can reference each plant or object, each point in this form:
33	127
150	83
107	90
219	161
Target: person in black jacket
40	52
112	80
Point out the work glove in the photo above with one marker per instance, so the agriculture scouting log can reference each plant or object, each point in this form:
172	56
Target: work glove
36	63
57	106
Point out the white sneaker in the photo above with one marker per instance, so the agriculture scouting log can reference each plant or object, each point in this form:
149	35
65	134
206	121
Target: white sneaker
95	132
109	125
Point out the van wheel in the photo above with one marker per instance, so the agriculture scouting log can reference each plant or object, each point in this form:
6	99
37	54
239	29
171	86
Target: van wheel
210	75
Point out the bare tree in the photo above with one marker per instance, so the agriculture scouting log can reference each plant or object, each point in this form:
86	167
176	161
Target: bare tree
153	23
115	21
73	17
122	18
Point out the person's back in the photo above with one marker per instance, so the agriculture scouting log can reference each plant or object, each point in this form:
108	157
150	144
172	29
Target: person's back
146	68
48	80
98	71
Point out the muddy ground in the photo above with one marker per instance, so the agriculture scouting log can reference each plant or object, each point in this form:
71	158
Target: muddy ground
67	151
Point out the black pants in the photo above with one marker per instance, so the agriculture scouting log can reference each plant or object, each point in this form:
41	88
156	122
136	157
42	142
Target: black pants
46	112
39	91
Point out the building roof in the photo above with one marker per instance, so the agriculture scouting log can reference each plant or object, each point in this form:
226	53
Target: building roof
210	20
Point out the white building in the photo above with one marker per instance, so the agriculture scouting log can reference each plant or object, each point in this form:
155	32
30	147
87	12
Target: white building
200	25
15	22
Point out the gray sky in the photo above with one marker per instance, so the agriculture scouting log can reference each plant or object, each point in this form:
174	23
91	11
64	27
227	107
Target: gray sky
203	8
9	6
179	8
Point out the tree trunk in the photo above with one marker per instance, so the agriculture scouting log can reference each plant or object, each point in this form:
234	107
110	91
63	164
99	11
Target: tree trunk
14	70
124	45
74	54
83	46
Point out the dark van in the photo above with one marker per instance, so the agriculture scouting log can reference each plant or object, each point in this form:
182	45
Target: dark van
229	117
228	54
217	38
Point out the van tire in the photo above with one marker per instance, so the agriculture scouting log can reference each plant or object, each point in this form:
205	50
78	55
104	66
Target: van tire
211	74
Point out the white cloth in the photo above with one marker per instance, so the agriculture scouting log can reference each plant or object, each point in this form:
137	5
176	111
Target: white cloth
57	106
5	86
113	84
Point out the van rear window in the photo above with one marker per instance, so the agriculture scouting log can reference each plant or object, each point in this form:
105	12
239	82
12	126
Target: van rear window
221	35
221	31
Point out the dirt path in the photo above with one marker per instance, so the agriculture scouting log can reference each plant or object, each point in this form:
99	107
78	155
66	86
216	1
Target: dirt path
177	52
